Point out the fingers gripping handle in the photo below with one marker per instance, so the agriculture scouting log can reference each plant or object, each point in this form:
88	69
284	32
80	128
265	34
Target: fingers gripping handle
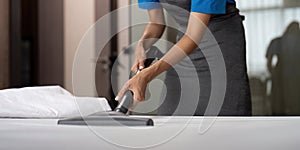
127	99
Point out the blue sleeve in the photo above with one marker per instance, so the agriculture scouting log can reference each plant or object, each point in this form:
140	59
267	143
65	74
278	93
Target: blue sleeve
209	6
149	4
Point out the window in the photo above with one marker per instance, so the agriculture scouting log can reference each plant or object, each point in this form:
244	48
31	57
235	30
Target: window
273	93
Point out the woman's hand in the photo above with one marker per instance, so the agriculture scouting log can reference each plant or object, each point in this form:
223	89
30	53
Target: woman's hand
139	57
137	85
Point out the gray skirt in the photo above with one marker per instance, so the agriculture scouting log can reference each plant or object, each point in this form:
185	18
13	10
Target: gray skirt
229	33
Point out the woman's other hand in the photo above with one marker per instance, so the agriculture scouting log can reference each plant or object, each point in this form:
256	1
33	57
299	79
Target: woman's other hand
139	57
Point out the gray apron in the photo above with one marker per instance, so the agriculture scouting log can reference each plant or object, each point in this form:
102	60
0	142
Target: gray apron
229	32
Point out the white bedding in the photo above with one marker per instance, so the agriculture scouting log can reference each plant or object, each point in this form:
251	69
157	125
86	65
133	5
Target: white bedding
47	102
229	133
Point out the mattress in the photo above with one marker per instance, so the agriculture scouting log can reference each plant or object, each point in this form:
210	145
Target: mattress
234	133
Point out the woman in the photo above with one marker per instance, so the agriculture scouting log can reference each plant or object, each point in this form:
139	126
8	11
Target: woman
222	18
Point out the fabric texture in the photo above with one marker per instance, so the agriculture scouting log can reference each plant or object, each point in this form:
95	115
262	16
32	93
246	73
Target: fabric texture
229	33
47	102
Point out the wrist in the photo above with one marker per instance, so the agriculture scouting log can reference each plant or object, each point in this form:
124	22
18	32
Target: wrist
154	70
148	74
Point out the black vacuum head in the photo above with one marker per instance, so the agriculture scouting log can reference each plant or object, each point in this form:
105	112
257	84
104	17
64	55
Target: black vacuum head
104	120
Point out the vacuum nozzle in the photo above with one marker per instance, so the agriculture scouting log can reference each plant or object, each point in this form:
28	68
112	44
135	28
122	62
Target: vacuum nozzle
126	102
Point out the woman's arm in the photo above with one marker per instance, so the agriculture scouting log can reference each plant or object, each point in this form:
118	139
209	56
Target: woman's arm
155	28
153	31
189	42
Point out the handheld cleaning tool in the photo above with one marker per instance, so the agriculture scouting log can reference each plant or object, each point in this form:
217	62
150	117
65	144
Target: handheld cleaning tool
117	117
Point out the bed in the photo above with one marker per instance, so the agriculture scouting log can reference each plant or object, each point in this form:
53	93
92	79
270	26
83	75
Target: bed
234	133
34	126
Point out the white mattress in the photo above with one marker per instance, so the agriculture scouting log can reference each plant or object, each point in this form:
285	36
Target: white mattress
233	133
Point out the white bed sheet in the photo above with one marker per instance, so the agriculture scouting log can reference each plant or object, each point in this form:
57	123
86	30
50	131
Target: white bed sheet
232	133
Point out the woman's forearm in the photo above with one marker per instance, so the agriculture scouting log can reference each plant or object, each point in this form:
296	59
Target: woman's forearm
154	29
185	46
179	51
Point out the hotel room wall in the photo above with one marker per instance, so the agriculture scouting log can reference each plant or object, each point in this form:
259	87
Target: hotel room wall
79	16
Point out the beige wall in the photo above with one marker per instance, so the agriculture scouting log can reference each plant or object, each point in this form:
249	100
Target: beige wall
123	42
4	42
79	16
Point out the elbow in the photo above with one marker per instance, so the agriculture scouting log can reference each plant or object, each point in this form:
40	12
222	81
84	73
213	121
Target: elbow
154	30
194	37
160	27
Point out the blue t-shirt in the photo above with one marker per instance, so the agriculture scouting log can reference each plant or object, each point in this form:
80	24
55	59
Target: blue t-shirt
201	6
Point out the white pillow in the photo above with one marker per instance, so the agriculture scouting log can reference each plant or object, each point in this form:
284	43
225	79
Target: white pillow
47	102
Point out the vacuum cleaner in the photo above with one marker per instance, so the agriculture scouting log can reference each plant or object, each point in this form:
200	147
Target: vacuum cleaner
119	116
